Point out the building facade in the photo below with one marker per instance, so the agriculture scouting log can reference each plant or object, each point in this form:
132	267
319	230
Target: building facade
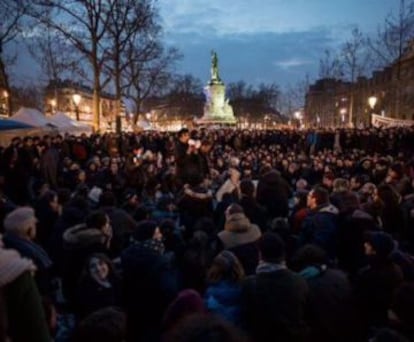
336	103
75	100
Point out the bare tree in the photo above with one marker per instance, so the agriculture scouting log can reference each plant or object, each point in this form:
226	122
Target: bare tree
390	44
148	68
393	36
12	15
293	97
47	48
185	94
128	19
84	24
330	66
355	59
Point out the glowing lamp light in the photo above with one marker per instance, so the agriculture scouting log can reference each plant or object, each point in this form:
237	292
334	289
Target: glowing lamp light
372	101
76	99
5	94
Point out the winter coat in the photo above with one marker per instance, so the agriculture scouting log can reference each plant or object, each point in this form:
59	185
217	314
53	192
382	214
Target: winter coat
320	228
330	306
149	285
92	296
21	311
223	298
273	306
195	203
240	237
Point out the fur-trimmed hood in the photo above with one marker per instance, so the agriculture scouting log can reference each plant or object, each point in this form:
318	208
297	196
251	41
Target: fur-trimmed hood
238	230
81	236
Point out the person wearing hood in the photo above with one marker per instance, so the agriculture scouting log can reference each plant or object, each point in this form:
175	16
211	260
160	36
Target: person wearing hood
79	242
320	225
240	236
21	314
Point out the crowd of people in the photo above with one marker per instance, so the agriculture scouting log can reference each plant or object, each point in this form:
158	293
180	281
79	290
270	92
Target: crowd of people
208	235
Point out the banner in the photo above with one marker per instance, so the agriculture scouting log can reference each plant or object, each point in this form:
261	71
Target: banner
382	121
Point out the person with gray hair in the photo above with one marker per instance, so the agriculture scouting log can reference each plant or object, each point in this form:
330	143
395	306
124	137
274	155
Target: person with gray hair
20	233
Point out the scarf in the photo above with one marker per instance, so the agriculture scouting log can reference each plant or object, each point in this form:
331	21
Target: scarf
154	245
29	249
312	271
267	267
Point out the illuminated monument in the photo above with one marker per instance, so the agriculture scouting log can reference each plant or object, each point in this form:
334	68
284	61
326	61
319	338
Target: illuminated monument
216	109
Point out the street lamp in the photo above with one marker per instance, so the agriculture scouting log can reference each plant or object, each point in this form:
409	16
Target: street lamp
372	101
6	101
53	105
76	100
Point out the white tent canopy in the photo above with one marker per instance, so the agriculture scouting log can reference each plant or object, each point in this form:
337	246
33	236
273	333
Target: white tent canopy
67	125
31	116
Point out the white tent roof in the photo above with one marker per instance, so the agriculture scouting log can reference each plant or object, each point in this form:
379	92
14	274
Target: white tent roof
66	124
61	120
31	116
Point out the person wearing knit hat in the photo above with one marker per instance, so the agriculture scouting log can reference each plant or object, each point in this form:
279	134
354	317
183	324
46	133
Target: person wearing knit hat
240	236
21	312
187	302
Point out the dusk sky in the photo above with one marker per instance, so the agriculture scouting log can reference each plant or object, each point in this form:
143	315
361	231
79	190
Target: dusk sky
267	40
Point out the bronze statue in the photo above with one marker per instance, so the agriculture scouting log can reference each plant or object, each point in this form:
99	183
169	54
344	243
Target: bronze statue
214	67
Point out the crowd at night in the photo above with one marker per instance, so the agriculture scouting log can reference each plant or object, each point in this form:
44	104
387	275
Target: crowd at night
208	235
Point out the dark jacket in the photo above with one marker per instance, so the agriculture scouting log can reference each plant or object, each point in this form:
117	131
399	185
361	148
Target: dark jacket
194	203
149	285
374	287
330	307
320	228
273	306
240	237
92	296
26	318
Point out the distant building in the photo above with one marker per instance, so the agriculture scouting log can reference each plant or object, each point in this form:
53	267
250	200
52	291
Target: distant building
333	102
59	97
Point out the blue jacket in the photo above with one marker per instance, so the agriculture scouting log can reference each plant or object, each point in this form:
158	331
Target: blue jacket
223	298
320	228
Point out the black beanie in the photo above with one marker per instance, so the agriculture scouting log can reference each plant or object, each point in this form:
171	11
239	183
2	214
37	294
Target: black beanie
145	230
382	243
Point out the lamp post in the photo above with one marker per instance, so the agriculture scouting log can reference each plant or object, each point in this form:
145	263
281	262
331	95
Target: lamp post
343	113
372	101
6	102
76	100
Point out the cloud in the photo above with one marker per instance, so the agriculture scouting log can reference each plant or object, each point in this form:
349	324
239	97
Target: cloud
292	63
273	16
